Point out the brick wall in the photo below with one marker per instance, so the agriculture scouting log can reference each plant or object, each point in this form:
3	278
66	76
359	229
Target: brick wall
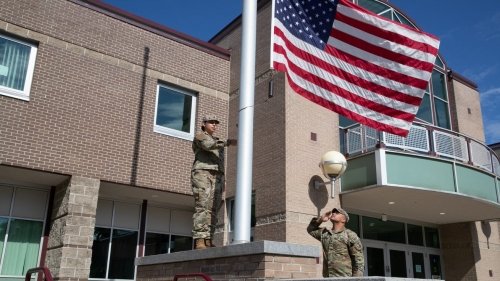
458	251
92	102
252	267
467	108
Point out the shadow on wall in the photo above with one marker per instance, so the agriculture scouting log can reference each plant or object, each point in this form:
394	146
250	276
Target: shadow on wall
319	196
138	127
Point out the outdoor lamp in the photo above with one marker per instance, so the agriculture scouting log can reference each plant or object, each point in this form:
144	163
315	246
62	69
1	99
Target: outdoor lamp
333	165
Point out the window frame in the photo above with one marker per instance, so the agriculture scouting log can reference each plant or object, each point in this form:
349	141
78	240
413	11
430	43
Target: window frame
112	227
25	93
9	217
168	232
173	132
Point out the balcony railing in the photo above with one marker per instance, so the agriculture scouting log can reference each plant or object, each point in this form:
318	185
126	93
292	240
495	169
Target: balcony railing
425	139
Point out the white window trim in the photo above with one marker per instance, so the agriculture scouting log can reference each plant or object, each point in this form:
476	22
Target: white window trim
25	93
172	132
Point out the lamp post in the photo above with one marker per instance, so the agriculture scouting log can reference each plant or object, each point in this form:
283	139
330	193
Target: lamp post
333	165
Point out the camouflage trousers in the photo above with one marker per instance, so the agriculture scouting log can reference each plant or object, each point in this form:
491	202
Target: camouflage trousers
207	191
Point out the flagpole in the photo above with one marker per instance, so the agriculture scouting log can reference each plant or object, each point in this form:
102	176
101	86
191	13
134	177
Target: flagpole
243	198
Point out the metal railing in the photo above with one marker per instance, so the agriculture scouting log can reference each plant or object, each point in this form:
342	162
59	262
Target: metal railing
44	270
425	139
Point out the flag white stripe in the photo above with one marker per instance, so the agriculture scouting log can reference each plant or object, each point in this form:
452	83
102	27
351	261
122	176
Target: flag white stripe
347	104
384	43
385	24
343	84
367	75
379	61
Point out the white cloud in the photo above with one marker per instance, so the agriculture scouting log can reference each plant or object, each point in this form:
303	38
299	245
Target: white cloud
490	102
489	28
490	93
480	75
492	131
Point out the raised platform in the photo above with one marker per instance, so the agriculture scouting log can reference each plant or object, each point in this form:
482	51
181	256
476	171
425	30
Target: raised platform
256	261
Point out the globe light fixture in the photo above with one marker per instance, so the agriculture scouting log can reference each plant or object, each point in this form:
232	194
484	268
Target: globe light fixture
333	165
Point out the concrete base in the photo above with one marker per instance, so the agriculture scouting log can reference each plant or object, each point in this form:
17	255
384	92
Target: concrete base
255	261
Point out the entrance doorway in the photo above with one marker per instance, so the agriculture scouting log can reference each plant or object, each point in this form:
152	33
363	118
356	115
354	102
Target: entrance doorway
405	261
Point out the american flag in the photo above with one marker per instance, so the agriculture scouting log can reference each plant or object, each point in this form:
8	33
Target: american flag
352	61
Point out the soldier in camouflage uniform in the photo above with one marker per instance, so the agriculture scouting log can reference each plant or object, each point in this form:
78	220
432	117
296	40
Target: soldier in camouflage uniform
207	181
342	249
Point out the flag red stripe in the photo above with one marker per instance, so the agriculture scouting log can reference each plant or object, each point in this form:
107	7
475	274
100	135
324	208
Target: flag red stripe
358	9
336	90
371	67
379	51
368	85
385	34
340	110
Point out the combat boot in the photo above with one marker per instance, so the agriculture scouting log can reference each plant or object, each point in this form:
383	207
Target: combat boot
209	243
199	243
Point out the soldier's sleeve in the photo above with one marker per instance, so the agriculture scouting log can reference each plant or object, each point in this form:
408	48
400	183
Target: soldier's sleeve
357	256
207	143
313	228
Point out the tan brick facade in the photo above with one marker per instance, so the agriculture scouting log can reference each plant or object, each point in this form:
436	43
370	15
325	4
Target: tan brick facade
252	267
92	66
90	117
467	108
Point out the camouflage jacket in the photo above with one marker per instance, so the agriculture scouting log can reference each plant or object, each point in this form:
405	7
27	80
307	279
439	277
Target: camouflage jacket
342	251
208	152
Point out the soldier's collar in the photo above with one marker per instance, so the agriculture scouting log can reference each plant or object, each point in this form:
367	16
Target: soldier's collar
332	231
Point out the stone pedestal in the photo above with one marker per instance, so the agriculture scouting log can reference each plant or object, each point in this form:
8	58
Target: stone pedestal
250	261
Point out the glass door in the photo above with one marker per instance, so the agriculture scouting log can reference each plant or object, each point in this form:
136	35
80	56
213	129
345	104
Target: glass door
435	266
397	262
375	261
418	265
386	259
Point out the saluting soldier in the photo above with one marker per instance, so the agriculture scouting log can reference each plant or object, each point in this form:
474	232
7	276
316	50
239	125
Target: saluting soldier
207	179
342	248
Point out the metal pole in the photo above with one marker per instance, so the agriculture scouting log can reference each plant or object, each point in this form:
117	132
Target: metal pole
243	199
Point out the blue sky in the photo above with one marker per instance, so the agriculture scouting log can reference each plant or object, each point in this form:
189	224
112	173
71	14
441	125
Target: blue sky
469	32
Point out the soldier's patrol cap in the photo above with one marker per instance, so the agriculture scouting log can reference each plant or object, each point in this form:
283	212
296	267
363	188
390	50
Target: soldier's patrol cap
341	211
207	118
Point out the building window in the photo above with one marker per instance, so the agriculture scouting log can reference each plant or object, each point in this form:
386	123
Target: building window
162	236
353	224
115	240
22	214
389	231
415	235
175	112
431	237
434	108
438	81
17	62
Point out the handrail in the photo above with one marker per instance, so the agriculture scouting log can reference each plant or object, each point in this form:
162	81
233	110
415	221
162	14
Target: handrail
203	275
45	270
424	138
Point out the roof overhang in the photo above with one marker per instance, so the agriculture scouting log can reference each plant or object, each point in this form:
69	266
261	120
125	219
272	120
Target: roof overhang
420	205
